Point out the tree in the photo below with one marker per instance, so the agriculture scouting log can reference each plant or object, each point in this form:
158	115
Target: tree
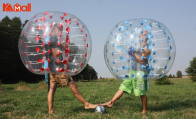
191	70
12	69
179	74
173	76
170	76
163	81
88	73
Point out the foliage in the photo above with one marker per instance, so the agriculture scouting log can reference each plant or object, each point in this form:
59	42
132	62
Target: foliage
88	73
163	81
191	70
170	76
179	74
12	69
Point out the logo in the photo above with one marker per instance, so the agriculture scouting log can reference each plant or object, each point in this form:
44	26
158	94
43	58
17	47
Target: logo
16	8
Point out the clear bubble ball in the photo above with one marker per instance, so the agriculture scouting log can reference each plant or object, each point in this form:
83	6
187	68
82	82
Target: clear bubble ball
55	42
139	49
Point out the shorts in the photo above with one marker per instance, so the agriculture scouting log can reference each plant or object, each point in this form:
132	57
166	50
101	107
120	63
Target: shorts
61	79
135	83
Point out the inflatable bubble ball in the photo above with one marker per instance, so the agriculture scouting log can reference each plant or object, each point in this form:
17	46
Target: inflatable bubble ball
55	42
139	49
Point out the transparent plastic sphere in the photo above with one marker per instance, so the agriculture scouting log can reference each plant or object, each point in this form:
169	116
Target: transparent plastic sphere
55	42
142	48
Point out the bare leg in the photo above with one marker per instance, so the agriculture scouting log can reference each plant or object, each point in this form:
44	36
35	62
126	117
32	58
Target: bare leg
51	97
110	103
79	96
144	103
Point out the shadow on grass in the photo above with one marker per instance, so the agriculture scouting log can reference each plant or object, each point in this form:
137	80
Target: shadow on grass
81	109
176	105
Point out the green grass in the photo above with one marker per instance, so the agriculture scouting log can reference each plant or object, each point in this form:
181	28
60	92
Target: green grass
164	101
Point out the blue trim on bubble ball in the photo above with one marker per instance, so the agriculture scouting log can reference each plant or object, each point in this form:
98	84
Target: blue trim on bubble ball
123	28
170	47
123	68
112	53
128	60
151	74
133	67
120	37
151	67
149	57
116	70
142	75
154	53
133	59
150	24
132	75
113	62
146	76
121	58
160	75
120	47
164	30
130	24
111	33
148	35
169	58
125	22
165	67
154	61
141	40
141	31
159	25
146	27
149	40
149	47
153	44
147	67
126	76
142	66
168	39
142	49
142	57
144	20
141	23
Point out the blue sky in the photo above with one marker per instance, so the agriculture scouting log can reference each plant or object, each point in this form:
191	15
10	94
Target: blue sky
101	16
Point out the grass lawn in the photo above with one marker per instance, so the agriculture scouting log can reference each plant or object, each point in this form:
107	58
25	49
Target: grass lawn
164	101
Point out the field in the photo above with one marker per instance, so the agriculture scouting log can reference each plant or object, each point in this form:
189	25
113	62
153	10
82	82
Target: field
24	101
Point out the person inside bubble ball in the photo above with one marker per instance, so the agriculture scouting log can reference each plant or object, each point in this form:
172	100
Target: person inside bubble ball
137	81
61	78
